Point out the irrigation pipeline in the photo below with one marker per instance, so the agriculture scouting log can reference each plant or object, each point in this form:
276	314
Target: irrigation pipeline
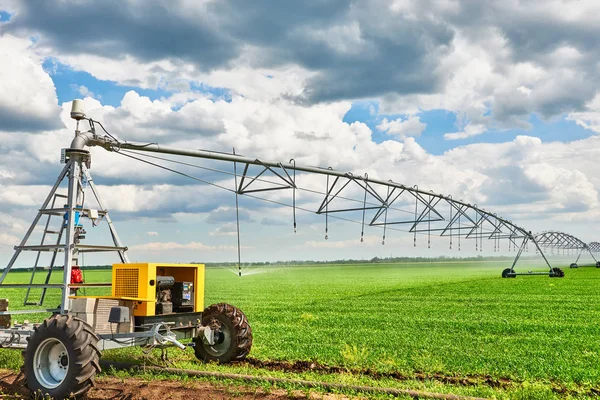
416	394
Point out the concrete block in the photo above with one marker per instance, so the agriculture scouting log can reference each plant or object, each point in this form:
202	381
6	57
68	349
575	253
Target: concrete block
95	312
83	305
105	328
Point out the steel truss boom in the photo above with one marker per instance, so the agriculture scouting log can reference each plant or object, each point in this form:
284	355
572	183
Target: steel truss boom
282	170
433	213
556	240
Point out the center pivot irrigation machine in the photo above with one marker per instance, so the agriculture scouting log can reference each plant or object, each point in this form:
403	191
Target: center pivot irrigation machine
560	241
159	304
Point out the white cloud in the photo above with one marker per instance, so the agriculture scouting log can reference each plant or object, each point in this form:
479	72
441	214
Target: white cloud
152	233
411	126
157	247
28	101
8	240
280	131
590	118
229	229
84	91
493	67
487	82
469	130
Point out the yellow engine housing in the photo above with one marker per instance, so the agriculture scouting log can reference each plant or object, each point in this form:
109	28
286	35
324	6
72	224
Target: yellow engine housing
137	281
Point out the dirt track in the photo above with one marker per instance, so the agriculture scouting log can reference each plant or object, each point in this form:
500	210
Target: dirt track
137	389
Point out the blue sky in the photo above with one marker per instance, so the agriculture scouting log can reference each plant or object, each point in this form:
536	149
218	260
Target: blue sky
286	89
67	82
440	122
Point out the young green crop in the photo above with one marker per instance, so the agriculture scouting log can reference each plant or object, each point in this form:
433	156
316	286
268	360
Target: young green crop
452	319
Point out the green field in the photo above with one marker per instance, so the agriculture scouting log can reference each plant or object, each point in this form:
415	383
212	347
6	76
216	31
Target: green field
537	336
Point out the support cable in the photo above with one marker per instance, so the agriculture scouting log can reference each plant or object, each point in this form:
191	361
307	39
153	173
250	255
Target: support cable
248	195
237	218
327	209
294	206
459	215
294	193
429	224
416	218
122	151
449	197
362	230
385	217
451	221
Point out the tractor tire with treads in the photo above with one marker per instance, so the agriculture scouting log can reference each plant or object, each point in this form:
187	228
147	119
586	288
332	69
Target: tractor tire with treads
234	334
61	359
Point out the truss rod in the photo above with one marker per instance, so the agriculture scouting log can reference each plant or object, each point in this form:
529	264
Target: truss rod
91	139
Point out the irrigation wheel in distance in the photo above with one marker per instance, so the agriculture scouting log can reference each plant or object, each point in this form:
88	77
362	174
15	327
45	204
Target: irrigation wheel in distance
61	358
508	273
557	273
234	335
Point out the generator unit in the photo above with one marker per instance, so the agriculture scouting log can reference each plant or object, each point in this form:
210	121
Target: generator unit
148	293
159	289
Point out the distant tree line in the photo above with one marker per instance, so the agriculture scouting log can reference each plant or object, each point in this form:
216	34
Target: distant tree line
374	260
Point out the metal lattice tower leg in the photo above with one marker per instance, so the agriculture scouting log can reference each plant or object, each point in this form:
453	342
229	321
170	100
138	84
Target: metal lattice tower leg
69	233
36	267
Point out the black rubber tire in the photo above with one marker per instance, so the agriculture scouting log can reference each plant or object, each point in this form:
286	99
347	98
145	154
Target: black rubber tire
557	273
80	341
573	265
506	272
597	264
228	319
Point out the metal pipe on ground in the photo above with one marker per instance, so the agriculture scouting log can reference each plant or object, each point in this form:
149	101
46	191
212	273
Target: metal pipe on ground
416	394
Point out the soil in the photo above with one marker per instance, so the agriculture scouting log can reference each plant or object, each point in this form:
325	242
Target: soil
304	366
12	388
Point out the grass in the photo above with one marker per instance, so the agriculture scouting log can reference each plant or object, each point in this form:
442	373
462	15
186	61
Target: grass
452	319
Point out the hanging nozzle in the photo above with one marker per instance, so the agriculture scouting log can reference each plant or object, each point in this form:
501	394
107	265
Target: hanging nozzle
77	112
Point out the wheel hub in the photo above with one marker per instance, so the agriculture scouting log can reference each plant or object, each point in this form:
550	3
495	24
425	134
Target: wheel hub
64	360
221	338
51	363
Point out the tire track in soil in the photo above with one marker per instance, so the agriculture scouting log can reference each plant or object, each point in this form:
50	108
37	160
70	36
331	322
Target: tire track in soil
111	388
11	385
465	380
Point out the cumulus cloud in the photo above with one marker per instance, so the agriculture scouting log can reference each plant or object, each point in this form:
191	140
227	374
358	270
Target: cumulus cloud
227	214
491	174
28	101
84	91
274	222
291	75
590	117
360	49
492	66
468	131
157	247
410	126
228	229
